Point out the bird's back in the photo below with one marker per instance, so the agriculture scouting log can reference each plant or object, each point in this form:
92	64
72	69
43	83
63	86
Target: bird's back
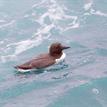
41	61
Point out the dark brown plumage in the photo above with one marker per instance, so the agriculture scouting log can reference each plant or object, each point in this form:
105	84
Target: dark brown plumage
44	60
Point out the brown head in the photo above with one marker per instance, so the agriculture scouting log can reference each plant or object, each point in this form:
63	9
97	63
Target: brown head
57	48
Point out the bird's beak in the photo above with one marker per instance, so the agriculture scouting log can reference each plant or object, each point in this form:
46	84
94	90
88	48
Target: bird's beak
65	47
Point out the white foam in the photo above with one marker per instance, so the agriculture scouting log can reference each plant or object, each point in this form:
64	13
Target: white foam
98	13
27	44
20	47
55	13
24	45
30	43
41	19
87	6
38	4
44	30
7	24
76	25
7	58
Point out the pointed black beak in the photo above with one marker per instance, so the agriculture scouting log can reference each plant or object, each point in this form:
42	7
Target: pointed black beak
65	47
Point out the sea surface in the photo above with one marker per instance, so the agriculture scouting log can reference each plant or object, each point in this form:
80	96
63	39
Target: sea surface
28	27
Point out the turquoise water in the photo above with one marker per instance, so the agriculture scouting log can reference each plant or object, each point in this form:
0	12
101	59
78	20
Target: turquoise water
28	27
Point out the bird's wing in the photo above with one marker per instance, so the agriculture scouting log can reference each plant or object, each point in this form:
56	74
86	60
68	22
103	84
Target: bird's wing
42	63
25	66
37	63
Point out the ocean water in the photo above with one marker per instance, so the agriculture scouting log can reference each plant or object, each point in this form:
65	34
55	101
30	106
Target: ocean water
28	27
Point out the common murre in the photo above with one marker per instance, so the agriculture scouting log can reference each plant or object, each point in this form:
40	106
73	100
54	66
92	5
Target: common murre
54	56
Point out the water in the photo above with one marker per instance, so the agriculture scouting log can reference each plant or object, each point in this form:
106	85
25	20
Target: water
27	28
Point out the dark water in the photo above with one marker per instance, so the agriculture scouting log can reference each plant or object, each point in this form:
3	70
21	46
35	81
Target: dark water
28	27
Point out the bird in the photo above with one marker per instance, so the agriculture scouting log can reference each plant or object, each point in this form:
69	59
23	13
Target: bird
54	56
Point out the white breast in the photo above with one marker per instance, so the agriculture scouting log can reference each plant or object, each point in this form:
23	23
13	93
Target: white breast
61	58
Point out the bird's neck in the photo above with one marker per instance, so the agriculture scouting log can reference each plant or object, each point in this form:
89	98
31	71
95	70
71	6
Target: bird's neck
58	60
56	55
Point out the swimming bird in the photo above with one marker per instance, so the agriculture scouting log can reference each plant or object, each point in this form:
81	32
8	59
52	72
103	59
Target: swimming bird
54	56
